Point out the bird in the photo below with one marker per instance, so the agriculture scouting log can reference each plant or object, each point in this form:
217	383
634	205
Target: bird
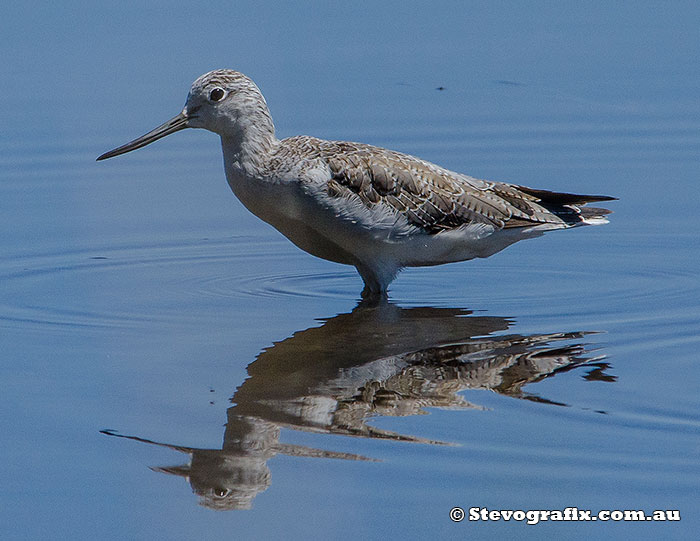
376	209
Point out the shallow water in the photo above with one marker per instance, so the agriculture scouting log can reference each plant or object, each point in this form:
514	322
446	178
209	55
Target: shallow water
166	353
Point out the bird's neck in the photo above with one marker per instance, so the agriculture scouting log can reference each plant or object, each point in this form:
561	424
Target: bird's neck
249	145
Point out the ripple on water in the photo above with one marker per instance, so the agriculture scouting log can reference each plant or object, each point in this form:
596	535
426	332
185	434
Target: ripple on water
337	285
127	285
542	288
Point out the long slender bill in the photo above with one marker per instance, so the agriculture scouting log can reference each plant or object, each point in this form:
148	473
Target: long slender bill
171	126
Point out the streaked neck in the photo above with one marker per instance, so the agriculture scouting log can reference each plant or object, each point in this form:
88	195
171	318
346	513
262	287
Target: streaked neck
250	142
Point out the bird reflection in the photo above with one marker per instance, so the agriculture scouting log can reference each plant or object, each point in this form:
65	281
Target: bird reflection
378	360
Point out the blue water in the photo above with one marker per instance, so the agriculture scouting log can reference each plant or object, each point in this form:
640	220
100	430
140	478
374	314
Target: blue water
166	354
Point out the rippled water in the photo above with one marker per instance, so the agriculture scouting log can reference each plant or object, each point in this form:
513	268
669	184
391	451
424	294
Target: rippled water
167	354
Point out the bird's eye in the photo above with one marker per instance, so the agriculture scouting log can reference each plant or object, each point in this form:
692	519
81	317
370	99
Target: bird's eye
216	94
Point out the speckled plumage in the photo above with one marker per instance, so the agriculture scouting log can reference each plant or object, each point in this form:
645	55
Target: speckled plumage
361	205
430	197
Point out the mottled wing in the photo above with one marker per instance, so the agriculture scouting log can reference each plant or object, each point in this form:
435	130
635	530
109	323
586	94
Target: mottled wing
436	199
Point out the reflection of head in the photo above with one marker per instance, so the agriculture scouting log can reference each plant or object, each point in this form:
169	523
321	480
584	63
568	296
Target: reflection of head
225	481
232	477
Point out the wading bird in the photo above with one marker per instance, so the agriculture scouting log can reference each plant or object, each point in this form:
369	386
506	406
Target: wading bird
357	204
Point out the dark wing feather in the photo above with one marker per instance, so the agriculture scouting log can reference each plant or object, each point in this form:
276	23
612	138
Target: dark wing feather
562	198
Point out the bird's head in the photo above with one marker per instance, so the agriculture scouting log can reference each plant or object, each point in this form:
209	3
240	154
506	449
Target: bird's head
223	101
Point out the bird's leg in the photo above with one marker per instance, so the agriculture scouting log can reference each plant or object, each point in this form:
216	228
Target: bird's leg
374	288
373	297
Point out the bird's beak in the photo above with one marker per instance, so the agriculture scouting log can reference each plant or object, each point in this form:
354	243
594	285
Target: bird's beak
171	126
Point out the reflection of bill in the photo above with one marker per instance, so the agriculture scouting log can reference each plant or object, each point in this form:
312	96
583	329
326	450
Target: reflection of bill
376	360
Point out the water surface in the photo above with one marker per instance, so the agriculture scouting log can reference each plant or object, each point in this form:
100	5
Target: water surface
173	367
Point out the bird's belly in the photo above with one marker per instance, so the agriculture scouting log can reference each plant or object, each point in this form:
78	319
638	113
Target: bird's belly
284	207
312	239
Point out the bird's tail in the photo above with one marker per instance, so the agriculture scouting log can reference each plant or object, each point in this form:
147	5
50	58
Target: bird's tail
594	215
570	206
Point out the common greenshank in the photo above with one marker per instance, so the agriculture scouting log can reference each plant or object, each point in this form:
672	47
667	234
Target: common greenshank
357	204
